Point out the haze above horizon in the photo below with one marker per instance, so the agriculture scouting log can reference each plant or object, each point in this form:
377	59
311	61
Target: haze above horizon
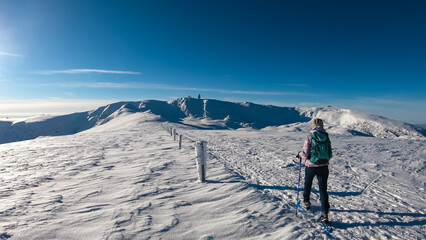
68	56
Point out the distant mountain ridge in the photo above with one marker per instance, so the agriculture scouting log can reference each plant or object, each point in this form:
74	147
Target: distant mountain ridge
360	123
237	115
223	115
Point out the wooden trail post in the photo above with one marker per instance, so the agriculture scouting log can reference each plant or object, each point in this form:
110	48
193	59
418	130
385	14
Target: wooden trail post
180	141
201	157
174	134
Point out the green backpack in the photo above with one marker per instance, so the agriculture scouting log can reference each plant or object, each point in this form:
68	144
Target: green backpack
320	147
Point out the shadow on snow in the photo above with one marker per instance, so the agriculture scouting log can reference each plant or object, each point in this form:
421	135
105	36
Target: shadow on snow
340	194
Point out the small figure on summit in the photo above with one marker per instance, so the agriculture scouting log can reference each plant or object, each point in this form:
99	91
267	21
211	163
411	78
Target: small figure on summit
317	152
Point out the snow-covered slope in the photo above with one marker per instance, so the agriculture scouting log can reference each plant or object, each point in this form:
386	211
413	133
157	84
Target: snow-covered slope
127	179
211	114
61	125
359	123
237	115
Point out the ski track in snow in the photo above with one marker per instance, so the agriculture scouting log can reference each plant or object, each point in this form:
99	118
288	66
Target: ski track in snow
127	179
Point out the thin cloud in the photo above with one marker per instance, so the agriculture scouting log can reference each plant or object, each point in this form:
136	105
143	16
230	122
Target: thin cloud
172	88
77	71
294	84
10	54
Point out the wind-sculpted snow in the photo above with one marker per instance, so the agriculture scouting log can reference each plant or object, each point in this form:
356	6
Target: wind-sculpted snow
127	179
212	114
104	112
167	111
376	186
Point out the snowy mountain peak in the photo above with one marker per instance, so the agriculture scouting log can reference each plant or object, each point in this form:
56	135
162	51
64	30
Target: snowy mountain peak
362	123
213	114
237	115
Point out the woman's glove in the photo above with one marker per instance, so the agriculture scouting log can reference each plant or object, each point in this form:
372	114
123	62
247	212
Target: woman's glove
298	156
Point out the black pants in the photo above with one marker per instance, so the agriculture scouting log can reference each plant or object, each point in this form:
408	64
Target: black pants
322	176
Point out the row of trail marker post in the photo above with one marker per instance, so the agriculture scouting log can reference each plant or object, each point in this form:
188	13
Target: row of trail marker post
174	134
200	153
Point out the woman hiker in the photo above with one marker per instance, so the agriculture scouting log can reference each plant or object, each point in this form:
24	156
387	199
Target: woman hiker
317	152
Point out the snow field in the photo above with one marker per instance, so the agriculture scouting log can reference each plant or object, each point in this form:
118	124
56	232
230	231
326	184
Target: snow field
127	180
375	185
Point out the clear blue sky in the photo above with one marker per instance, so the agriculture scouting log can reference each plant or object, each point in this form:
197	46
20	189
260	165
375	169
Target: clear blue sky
65	55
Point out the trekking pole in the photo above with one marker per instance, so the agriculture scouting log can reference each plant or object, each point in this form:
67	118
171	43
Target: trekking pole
298	182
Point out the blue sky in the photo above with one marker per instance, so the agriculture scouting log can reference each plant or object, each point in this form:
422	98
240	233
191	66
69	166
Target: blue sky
71	55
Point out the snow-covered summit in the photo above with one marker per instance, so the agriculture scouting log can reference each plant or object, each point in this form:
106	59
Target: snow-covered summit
237	115
211	114
360	123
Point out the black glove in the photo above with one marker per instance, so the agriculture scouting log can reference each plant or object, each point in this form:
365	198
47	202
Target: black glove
298	156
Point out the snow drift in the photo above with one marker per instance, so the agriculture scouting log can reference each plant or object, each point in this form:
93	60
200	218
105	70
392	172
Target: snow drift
210	114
